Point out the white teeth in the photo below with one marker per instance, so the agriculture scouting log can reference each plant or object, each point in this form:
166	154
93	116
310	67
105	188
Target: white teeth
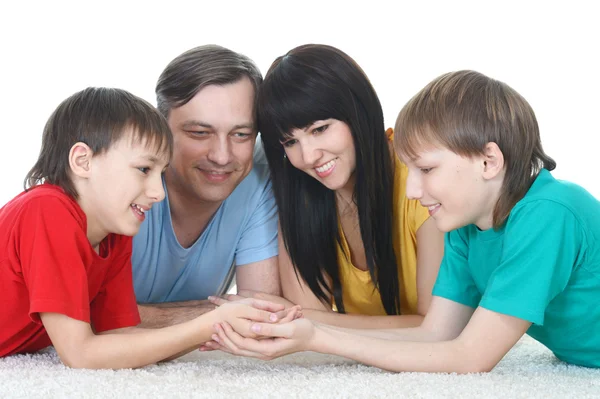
136	206
432	207
326	167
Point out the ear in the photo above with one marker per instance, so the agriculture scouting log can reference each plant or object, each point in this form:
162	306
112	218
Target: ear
493	161
80	158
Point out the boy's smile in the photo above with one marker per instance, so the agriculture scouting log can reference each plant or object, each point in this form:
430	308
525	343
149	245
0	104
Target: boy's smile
121	186
453	188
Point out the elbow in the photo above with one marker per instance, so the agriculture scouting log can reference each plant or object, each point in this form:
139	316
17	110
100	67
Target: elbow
77	359
476	367
74	361
468	361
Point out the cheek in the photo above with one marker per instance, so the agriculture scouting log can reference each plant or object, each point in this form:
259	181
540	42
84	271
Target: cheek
243	154
295	158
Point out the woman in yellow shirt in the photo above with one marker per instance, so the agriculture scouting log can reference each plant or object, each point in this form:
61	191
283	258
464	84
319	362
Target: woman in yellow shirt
349	239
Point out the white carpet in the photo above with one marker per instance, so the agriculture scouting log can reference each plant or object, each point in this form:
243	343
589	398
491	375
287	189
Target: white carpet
528	371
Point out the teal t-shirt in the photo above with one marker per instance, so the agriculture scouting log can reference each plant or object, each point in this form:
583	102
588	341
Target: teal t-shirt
542	266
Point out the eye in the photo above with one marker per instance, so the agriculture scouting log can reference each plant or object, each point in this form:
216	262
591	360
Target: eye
320	129
289	143
144	169
426	170
198	133
242	135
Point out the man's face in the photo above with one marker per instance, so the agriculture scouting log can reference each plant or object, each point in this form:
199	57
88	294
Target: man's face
214	135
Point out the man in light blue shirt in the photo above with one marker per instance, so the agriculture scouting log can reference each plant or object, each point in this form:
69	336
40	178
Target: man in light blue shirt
219	216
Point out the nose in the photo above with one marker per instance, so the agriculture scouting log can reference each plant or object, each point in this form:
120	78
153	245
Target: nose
310	152
414	188
154	189
220	150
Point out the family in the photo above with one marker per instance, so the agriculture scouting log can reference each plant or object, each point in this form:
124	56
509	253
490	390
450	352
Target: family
433	247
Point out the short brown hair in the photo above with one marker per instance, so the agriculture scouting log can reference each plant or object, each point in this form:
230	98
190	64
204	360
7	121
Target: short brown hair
199	67
98	117
465	110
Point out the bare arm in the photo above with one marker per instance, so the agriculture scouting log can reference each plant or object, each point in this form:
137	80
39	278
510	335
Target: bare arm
481	345
430	251
159	315
260	276
78	346
294	288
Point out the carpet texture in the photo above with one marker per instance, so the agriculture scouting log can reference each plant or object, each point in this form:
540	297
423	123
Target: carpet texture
528	371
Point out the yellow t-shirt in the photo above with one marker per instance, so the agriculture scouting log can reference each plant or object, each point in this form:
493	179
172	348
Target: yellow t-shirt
358	291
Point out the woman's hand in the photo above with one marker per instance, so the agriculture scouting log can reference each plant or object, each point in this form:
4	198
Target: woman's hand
277	339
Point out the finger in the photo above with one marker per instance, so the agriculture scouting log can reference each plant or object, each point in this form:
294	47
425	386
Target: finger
227	336
284	330
266	305
214	345
265	348
289	314
207	347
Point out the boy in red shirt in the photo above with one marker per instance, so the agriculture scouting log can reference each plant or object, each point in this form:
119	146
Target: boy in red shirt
65	242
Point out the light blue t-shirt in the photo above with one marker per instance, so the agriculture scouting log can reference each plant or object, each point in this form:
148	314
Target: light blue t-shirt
242	231
542	266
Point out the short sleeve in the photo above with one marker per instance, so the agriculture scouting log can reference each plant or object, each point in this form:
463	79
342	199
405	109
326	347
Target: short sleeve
455	281
259	238
542	242
54	251
115	305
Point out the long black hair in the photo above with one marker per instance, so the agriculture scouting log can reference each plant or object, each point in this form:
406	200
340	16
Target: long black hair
317	82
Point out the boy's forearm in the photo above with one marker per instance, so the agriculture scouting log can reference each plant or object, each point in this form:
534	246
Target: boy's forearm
394	355
362	321
163	316
144	347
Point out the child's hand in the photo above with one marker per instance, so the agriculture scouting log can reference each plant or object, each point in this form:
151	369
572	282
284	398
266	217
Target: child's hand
291	311
241	314
277	340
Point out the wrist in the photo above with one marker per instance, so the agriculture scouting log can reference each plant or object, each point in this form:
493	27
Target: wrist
319	339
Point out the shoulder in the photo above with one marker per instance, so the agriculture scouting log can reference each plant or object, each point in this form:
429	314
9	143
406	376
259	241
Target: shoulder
46	200
550	198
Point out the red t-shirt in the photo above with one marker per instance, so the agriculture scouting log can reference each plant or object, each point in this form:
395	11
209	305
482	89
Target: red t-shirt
47	264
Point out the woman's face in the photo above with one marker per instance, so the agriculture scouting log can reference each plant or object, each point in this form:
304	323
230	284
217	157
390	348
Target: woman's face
324	150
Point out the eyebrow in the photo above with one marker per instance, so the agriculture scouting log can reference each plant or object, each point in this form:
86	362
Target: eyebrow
150	158
314	123
196	123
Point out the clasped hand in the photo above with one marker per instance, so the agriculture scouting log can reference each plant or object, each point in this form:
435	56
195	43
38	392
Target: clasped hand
263	340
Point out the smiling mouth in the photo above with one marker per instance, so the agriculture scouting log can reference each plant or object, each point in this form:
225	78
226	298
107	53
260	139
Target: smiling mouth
324	168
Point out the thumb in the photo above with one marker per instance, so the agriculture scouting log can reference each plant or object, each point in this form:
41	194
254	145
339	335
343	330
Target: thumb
285	330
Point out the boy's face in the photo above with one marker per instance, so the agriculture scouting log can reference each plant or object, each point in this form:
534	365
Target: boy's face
214	135
452	187
125	181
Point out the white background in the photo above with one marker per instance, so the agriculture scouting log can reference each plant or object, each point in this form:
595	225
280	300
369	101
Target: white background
548	51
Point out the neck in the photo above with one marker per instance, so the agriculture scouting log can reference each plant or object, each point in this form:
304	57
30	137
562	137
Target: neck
94	232
345	196
189	214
